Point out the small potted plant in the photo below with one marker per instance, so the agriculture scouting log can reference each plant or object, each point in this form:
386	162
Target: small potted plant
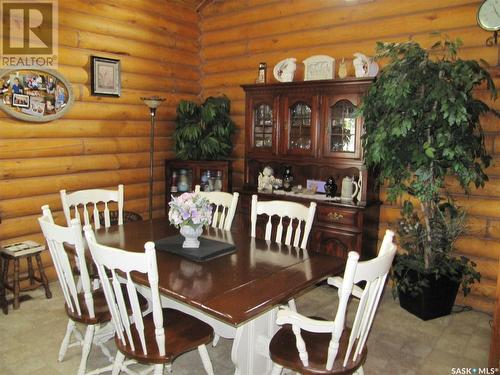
203	132
190	212
421	125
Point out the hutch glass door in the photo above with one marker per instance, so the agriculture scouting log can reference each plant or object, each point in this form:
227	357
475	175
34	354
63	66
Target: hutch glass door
343	128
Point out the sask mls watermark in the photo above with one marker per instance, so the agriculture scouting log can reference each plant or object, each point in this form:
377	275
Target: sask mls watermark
29	33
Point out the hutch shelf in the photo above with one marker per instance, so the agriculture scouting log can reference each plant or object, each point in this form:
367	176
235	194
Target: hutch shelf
312	127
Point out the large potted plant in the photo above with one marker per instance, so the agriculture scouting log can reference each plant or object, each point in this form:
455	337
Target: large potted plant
203	131
421	126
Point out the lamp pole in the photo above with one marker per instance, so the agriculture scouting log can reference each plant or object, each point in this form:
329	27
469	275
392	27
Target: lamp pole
153	103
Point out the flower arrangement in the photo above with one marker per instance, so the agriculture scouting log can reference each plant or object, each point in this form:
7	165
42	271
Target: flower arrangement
189	209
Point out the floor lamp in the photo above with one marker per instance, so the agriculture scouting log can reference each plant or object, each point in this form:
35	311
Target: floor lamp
152	102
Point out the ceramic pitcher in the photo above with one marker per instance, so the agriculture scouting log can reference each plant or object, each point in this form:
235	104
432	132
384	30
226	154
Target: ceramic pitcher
347	188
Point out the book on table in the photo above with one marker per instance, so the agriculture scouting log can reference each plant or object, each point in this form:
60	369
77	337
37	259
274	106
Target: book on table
22	248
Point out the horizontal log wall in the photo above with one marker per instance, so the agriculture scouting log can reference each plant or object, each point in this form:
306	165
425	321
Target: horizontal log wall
238	34
102	141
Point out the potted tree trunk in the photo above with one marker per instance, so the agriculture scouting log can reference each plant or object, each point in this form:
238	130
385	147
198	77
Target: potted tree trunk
421	124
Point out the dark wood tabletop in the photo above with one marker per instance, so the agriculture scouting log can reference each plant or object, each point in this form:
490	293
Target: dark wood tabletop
233	288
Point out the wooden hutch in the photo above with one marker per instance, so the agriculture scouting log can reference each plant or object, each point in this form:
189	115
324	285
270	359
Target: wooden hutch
312	126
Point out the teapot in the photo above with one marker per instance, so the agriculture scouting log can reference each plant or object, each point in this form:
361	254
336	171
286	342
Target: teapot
347	193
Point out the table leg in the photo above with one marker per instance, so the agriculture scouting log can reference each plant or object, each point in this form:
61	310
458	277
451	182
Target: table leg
250	352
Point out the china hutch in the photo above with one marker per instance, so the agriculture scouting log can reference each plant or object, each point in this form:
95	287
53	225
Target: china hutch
313	127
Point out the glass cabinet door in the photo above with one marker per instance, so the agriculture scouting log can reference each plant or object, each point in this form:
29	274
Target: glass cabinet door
263	126
300	127
300	112
343	128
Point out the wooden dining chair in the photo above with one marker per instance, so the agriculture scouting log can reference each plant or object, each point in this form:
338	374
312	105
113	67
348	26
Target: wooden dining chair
284	209
225	207
88	200
314	346
85	305
156	338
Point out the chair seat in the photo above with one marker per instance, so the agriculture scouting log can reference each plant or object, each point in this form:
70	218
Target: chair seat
101	310
283	352
182	334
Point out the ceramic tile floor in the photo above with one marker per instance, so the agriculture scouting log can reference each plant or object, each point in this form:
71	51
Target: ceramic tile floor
399	342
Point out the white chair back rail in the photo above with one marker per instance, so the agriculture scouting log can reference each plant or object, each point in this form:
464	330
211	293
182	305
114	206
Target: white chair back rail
374	273
56	237
112	259
90	200
284	209
224	207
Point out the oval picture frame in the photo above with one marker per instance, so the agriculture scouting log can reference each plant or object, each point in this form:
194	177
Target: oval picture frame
35	95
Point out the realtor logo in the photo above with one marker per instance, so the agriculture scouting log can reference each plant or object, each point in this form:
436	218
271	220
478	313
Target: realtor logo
29	33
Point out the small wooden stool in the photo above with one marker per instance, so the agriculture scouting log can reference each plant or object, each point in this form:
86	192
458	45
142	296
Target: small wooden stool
23	250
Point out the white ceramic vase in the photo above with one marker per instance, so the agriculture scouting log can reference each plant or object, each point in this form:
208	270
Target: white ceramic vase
191	235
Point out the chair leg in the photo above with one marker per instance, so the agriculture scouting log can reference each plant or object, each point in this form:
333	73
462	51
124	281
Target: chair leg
205	358
65	342
118	363
87	344
158	370
16	284
215	341
31	273
292	306
276	369
43	277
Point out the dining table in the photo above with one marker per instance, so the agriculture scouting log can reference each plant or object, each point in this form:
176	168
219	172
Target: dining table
238	294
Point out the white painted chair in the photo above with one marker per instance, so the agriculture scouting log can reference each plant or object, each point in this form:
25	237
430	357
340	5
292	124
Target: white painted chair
158	337
225	207
294	211
87	306
357	291
90	199
308	345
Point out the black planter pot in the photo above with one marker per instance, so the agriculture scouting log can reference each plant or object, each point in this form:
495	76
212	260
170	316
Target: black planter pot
436	300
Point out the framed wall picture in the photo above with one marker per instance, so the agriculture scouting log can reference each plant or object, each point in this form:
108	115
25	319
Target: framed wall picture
105	76
36	95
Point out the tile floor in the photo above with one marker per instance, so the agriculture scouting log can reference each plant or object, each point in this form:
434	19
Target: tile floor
399	342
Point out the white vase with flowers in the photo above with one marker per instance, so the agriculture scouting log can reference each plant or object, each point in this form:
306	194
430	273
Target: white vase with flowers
190	212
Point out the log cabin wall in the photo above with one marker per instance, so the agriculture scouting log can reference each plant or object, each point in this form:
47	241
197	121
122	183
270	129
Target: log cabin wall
237	35
102	141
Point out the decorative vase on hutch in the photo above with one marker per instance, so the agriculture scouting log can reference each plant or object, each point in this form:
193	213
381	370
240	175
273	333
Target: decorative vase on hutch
191	235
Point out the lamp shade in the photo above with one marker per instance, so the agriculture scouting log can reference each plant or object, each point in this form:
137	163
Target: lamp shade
153	102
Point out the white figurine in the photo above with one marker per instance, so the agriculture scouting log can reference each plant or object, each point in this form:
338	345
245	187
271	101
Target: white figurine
364	66
266	179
